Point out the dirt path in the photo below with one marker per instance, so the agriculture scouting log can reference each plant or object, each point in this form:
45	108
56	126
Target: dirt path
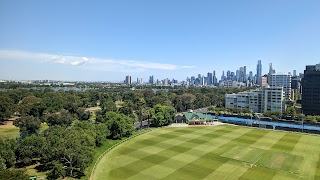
93	108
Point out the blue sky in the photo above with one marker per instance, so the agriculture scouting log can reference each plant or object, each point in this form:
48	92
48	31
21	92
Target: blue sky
107	40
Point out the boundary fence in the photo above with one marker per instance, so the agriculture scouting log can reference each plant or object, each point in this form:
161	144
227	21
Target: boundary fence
273	125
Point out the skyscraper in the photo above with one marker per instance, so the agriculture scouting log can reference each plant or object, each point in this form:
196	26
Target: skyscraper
166	82
238	75
311	90
241	74
209	79
214	78
228	74
223	77
271	71
151	80
128	80
250	76
245	74
259	72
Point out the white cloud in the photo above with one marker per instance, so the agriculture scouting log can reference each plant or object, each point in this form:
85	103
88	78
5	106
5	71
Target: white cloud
89	62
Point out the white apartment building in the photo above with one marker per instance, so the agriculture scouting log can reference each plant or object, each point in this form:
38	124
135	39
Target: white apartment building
281	80
273	99
240	100
255	101
258	101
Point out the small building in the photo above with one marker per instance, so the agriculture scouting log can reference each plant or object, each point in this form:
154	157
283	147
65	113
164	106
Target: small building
197	118
180	118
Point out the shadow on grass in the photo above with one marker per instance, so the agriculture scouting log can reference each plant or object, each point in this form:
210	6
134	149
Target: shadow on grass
42	168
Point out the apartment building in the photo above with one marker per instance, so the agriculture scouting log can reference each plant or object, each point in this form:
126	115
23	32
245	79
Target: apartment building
258	101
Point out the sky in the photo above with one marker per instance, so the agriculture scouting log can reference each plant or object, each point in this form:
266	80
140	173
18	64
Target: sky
106	40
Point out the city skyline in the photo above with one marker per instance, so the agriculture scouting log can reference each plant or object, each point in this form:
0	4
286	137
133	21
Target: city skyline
105	40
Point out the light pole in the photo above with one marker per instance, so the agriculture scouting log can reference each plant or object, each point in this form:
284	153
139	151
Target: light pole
302	122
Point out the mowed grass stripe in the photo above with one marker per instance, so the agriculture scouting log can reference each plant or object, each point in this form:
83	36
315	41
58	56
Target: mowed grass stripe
229	170
287	143
152	140
257	171
308	148
174	150
215	159
317	169
269	162
183	159
246	139
268	140
191	140
219	152
154	157
198	169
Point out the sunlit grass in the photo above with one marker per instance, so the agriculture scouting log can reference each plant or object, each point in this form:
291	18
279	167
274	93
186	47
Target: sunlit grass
219	152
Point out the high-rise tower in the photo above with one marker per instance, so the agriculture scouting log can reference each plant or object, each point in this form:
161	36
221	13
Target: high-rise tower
259	72
311	91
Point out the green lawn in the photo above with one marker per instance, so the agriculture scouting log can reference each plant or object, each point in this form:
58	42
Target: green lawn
8	131
219	152
98	151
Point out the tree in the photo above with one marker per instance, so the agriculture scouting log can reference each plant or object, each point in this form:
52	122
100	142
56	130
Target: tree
54	101
99	116
71	107
63	118
291	111
94	97
98	131
162	115
127	108
140	105
301	117
129	96
73	148
312	118
29	148
109	106
102	133
146	114
57	171
148	95
13	174
2	163
158	119
187	101
6	107
82	114
273	115
31	106
77	151
7	156
177	103
119	125
28	123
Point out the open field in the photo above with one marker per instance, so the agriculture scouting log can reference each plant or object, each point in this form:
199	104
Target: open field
9	131
218	152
